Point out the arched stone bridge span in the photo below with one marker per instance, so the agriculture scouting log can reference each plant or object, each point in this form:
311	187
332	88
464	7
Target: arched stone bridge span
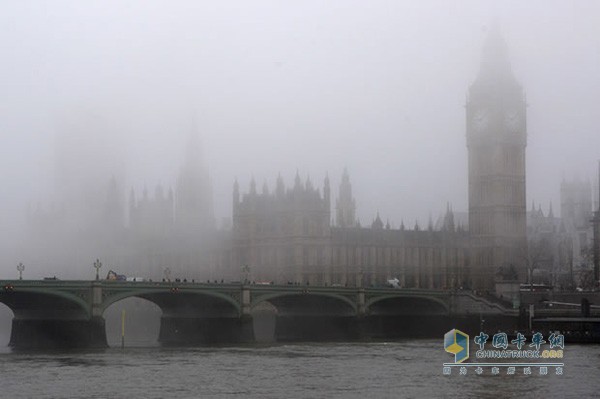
70	313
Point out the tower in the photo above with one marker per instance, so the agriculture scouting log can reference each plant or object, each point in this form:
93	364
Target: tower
496	141
193	195
576	203
346	206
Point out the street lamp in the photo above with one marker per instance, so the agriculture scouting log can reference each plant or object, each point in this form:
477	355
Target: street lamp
20	268
359	278
246	271
97	266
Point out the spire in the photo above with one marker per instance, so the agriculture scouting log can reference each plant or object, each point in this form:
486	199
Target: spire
377	223
495	62
402	225
346	205
297	181
194	211
252	186
449	219
280	189
236	192
550	212
495	83
327	194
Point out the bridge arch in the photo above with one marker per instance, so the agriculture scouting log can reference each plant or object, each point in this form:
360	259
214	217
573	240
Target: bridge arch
28	302
184	302
141	321
399	304
313	302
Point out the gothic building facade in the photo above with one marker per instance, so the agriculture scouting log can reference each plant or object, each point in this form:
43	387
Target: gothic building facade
287	236
284	235
445	258
291	234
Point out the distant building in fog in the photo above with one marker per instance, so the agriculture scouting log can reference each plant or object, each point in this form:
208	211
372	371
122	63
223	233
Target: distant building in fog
577	212
290	234
496	141
152	217
346	205
286	236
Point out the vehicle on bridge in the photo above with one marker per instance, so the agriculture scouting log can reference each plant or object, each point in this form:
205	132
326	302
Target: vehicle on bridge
112	275
394	283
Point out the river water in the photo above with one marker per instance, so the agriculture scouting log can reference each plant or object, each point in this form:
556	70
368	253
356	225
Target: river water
401	369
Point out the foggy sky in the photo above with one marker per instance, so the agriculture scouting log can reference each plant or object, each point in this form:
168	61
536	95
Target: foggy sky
379	87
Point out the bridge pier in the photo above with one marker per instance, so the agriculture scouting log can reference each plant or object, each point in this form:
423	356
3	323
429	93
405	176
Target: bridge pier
57	333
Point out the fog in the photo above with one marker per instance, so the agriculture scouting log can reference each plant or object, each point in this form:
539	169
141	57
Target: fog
92	90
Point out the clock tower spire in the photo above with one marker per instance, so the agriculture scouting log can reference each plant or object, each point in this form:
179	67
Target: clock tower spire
496	141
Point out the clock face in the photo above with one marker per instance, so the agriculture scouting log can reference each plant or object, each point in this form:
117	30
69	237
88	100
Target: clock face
512	121
480	120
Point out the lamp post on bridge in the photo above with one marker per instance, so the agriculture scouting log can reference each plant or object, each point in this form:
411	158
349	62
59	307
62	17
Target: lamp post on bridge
246	272
97	266
20	268
359	278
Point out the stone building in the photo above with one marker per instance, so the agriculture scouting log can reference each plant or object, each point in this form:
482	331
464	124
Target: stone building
550	249
286	236
496	141
345	205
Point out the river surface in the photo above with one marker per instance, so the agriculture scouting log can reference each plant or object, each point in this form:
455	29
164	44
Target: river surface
402	369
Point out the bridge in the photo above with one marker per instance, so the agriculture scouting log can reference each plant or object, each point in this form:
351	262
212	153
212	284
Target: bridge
50	313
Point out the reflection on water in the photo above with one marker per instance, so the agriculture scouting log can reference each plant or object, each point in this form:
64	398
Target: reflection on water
375	370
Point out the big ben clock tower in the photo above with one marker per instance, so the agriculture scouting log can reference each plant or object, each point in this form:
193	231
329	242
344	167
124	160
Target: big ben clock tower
496	141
